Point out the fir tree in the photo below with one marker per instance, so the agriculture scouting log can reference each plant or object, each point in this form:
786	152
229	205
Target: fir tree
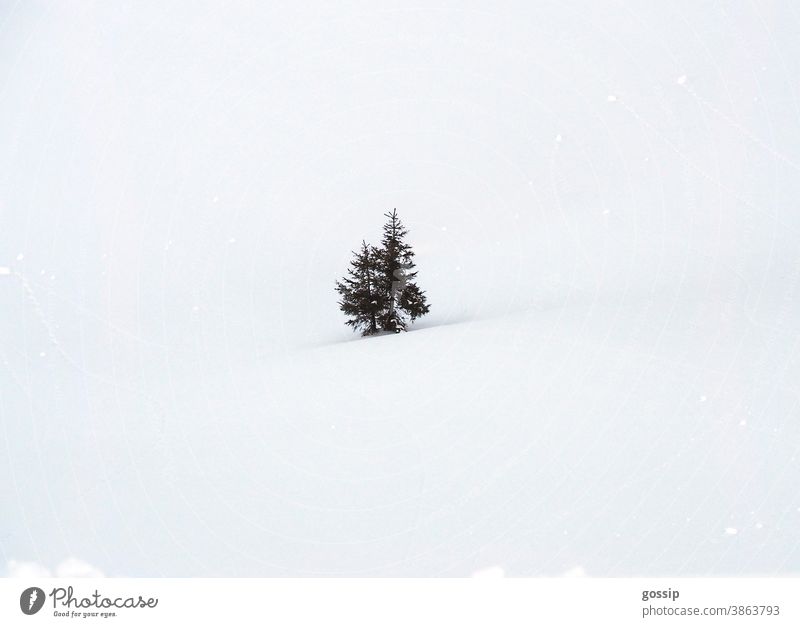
395	277
379	292
361	298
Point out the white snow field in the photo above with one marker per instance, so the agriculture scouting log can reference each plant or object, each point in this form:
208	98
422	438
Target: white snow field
603	199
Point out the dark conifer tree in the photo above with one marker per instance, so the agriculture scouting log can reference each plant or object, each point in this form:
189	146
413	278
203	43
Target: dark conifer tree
395	275
361	298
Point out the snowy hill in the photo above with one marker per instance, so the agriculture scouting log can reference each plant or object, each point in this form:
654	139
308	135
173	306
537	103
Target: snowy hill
602	200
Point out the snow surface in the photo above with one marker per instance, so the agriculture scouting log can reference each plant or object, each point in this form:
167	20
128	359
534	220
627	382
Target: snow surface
607	384
70	567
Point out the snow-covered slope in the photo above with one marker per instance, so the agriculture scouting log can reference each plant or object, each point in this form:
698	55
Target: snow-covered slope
602	201
623	437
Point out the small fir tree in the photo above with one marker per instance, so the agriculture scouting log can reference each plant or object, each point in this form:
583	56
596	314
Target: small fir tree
379	292
396	277
361	299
